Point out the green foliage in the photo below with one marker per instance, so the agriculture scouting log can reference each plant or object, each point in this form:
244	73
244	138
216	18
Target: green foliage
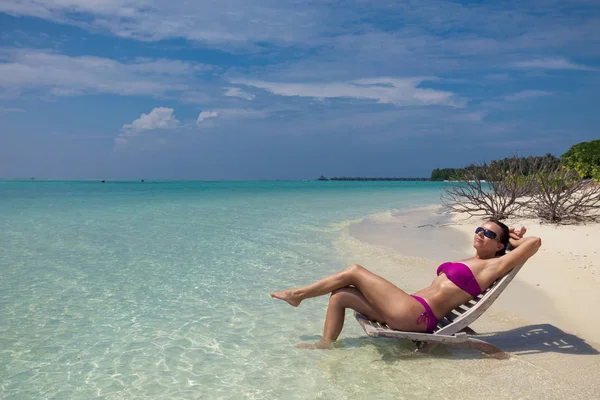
350	178
584	158
528	166
443	174
549	182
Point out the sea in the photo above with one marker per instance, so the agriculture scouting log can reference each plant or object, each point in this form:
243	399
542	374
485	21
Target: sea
160	290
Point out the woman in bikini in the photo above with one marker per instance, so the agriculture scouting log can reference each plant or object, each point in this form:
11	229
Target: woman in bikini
455	284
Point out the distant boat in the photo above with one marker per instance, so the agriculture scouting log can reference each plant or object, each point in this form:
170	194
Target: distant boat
322	178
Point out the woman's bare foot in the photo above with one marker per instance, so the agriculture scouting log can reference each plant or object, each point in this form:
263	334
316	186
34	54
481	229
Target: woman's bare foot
320	344
287	295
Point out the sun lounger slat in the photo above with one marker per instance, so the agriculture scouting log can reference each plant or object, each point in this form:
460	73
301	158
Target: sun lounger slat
452	315
465	307
443	322
461	309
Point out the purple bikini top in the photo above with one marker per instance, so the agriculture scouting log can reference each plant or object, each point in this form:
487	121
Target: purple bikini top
462	276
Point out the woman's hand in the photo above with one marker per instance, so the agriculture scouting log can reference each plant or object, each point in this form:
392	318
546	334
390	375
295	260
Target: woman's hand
517	233
515	236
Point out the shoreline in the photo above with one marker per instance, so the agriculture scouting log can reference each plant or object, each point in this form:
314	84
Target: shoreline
544	317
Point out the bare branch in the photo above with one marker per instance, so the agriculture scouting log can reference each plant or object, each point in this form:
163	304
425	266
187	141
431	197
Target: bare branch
493	191
562	196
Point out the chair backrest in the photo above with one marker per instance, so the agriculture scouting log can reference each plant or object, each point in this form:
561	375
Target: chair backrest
464	315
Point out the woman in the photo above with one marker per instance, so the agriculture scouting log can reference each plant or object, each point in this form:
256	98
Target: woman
455	284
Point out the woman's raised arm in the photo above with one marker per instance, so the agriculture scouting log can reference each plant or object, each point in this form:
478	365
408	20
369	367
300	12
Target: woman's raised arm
523	248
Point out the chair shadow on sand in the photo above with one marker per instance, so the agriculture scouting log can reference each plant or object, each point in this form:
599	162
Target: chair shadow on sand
530	339
540	338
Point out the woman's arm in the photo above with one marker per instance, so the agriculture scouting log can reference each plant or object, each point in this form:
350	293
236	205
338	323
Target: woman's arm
523	248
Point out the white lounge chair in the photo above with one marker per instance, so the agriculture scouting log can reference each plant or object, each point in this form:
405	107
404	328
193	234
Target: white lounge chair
453	328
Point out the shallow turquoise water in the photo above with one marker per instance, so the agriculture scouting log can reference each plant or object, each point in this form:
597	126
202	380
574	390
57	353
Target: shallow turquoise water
160	290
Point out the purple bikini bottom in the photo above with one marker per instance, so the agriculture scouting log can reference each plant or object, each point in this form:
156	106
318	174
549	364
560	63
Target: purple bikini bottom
428	317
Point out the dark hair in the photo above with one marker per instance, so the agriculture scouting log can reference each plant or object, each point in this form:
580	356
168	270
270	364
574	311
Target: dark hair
503	237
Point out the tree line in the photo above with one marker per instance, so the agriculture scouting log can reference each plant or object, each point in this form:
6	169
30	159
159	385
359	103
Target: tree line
584	158
479	170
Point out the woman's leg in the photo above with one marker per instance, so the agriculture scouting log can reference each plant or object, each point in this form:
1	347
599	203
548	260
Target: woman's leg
321	287
340	300
393	305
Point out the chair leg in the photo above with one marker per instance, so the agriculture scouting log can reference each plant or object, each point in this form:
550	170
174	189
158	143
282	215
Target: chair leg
468	331
487	348
425	347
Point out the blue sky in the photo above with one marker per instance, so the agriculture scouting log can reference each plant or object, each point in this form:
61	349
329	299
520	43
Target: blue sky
267	89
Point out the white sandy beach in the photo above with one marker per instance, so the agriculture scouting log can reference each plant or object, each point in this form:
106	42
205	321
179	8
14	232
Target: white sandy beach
547	315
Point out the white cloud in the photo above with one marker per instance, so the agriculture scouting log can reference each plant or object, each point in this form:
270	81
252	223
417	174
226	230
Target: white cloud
552	63
526	94
158	118
401	92
63	75
237	92
206	114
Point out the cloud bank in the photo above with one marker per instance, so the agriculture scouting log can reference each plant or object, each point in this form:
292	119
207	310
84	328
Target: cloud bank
400	92
553	63
62	75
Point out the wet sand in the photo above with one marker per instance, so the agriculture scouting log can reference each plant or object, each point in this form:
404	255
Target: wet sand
545	318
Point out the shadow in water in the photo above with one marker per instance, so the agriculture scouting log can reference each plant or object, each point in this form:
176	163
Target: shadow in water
531	339
393	350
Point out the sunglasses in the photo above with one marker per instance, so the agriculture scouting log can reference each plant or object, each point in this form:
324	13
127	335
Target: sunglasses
486	232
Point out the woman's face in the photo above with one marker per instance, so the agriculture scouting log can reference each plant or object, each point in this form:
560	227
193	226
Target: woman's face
486	243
